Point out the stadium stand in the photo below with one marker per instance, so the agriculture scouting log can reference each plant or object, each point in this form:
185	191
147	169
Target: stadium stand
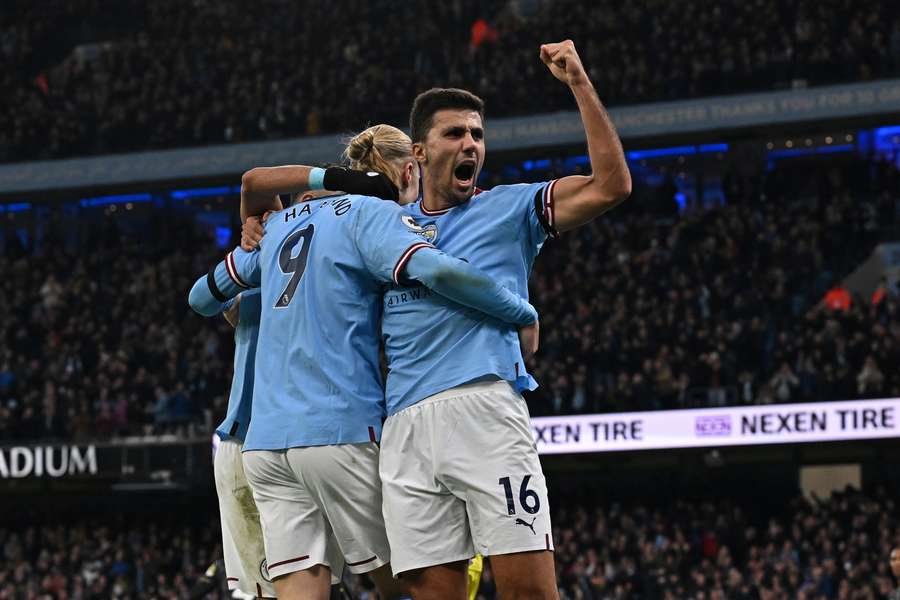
707	549
714	318
134	76
100	557
720	305
71	369
691	549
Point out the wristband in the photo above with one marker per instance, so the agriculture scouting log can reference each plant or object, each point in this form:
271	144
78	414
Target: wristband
317	178
363	183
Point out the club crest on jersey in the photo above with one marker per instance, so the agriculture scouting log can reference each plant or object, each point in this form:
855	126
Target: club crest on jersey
429	232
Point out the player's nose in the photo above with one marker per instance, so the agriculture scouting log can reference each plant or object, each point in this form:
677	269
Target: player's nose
468	143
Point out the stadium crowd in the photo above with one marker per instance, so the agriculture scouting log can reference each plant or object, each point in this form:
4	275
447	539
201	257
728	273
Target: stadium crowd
646	310
834	548
711	550
714	305
89	76
97	337
94	558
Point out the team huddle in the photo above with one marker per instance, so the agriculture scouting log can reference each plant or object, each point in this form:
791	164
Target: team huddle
325	464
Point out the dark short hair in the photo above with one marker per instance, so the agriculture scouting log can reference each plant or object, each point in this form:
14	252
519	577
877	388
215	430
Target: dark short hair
427	103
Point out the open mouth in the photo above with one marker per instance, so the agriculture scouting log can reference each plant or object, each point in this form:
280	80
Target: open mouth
464	171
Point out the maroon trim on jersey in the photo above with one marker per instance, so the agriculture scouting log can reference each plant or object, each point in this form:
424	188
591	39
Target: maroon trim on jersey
362	562
290	560
404	258
372	437
232	579
434	213
547	539
443	211
232	271
544	209
548	206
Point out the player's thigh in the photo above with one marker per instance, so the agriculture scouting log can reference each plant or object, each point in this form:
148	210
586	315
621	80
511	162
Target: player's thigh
525	575
296	534
493	465
440	582
242	537
344	481
426	524
389	587
223	468
310	584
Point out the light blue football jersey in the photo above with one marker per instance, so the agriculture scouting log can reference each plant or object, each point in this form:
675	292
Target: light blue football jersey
434	345
323	266
237	416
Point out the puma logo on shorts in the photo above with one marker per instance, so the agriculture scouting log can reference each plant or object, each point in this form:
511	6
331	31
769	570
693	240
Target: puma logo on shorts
527	524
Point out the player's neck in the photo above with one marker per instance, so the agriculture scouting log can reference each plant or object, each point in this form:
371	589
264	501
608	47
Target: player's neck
434	199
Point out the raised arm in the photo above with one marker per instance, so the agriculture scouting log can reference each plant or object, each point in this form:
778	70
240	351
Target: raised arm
578	199
468	285
260	186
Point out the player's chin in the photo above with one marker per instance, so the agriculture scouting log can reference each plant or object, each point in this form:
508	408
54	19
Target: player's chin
463	188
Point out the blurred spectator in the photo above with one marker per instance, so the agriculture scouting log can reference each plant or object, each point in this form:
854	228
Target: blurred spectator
51	293
838	298
895	571
784	382
870	380
881	292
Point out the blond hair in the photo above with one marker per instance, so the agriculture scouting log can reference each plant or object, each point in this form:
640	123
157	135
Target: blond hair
381	148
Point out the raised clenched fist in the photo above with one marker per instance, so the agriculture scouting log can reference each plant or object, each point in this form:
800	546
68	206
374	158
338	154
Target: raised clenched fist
563	61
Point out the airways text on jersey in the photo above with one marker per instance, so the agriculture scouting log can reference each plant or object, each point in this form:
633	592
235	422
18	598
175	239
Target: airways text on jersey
401	295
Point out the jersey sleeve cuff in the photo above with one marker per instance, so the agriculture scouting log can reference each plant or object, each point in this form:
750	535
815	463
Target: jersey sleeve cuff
404	258
544	209
231	269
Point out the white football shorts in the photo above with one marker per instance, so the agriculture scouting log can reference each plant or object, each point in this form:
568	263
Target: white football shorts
460	474
242	540
319	505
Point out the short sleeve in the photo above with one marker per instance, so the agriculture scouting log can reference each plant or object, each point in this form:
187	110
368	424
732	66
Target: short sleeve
386	238
238	271
541	220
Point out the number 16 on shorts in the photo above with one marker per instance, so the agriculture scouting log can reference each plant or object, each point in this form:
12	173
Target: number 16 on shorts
529	500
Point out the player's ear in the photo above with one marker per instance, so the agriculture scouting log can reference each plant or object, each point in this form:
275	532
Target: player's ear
418	151
407	175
